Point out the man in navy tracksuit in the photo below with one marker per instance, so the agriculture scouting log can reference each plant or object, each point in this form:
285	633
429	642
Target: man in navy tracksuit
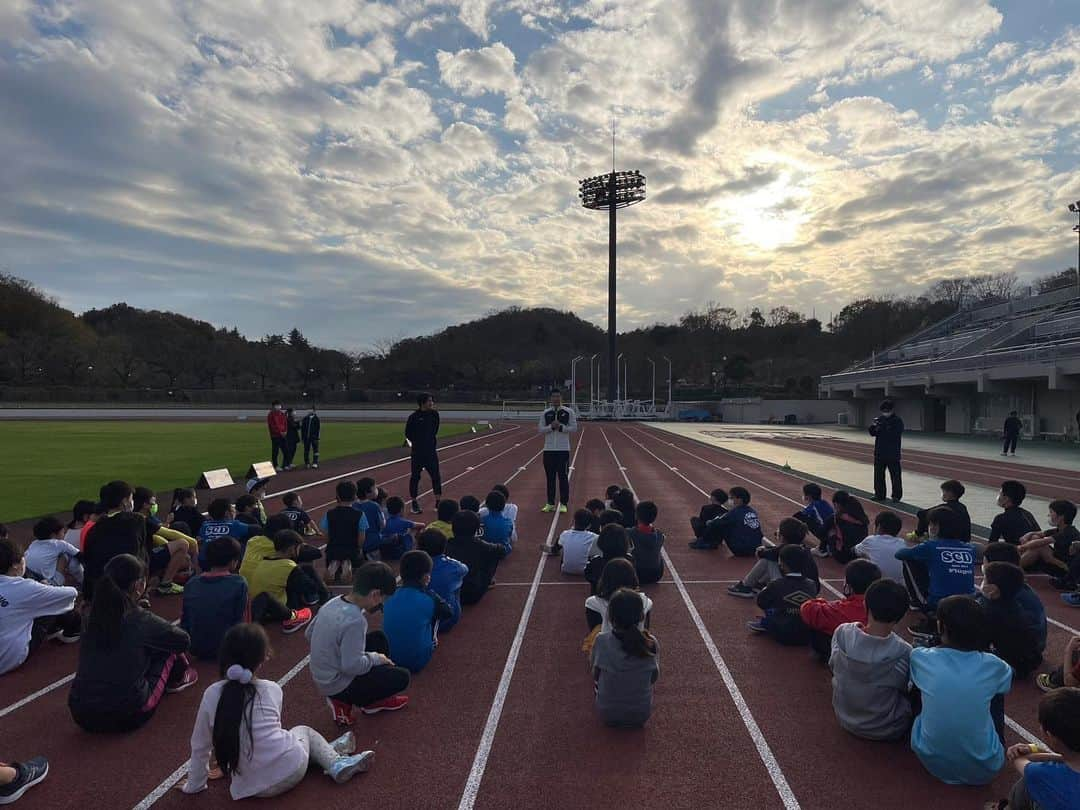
887	430
310	428
422	432
740	527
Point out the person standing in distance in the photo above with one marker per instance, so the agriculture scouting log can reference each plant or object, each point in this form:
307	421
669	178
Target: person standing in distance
310	429
277	425
557	422
886	430
1010	433
421	432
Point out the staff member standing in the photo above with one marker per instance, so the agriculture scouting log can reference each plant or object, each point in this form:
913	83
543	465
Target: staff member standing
1011	432
310	428
422	432
557	422
277	424
887	428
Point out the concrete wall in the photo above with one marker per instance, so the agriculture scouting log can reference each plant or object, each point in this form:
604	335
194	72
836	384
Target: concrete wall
958	414
754	411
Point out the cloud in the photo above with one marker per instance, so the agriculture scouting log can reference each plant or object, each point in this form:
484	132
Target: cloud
475	72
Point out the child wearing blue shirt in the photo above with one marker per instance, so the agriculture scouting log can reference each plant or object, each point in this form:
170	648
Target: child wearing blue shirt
498	528
215	600
411	616
397	536
1048	780
447	574
366	493
817	514
939	567
222	522
958	735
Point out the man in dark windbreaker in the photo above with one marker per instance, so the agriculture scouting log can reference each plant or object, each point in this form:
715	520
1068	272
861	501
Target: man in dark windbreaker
887	429
1010	432
421	431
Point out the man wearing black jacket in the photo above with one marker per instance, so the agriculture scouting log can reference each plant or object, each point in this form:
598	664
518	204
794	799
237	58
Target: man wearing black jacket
1010	432
421	431
887	430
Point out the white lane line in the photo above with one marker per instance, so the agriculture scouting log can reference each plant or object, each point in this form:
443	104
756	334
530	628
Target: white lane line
1049	619
150	798
787	796
35	695
351	473
1016	727
491	726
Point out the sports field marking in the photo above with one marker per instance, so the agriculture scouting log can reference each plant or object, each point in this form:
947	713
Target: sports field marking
1026	735
1050	620
787	796
491	726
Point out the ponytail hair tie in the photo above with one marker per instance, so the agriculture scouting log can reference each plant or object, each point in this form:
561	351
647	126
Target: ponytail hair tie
238	673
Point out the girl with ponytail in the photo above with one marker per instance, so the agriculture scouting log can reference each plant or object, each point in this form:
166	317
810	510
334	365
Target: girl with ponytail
239	720
625	663
129	657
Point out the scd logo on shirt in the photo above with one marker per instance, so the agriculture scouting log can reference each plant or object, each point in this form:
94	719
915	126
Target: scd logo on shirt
957	557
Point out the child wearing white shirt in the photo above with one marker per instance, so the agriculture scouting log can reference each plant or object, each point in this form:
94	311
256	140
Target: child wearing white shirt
52	559
576	544
881	547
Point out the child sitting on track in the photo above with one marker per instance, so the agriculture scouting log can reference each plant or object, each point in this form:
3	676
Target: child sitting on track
870	663
445	510
941	566
498	528
612	544
249	510
185	509
595	507
625	664
740	527
609	496
1014	522
626	505
32	611
82	513
1015	635
881	547
647	542
182	548
397	536
118	530
346	530
239	720
261	546
481	558
447	574
618	574
1048	780
1051	550
412	615
790	532
294	510
222	522
50	558
1027	599
713	509
349	664
281	590
576	544
780	600
951	493
959	731
366	495
215	600
129	658
848	528
823	617
509	510
817	514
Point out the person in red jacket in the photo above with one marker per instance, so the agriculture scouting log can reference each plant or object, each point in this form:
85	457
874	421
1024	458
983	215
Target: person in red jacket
277	424
823	617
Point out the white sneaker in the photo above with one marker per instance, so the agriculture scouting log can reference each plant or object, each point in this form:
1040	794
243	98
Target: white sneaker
345	744
315	466
345	768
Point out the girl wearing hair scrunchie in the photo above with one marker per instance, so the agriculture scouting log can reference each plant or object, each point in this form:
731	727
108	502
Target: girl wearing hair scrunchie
239	720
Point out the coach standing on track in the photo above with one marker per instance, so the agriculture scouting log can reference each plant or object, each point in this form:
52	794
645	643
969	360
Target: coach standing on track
422	432
887	430
556	424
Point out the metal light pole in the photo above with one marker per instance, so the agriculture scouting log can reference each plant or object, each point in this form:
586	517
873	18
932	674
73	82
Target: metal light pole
626	379
573	381
1075	208
653	364
668	405
593	393
618	368
609	192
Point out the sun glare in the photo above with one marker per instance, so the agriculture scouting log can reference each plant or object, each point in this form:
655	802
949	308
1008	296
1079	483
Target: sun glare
766	218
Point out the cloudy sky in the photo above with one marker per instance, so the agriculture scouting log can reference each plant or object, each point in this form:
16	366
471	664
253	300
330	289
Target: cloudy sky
366	170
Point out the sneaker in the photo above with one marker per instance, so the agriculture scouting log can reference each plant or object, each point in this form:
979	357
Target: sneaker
287	467
562	508
315	466
1071	599
757	626
415	508
64	636
1045	682
345	768
345	744
27	774
169	589
341	712
548	507
391	704
741	590
878	498
299	619
189	678
701	545
144	603
897	500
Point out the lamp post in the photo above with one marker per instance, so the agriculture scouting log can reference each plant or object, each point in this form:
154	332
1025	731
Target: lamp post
573	381
1075	208
626	378
667	407
609	192
592	396
618	366
653	364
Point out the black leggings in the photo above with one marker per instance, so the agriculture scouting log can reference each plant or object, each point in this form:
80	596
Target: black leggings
380	682
303	589
557	464
429	462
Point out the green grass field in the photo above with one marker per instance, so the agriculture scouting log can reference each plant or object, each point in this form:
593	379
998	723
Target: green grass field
50	465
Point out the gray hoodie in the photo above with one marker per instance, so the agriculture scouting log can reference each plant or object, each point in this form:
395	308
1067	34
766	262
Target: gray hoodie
870	683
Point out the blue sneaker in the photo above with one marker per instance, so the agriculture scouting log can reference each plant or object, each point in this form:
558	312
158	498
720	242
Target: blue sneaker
1071	599
345	768
757	625
27	774
345	744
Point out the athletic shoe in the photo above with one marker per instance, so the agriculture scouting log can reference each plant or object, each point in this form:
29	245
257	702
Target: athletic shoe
820	552
169	589
414	507
878	498
345	744
1071	599
341	712
548	507
741	590
144	603
64	636
897	500
701	545
189	678
757	626
307	466
1004	454
315	466
562	508
300	618
345	768
27	774
1045	682
391	704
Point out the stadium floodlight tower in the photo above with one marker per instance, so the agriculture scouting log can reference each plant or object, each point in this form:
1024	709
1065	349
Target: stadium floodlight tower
1075	208
610	192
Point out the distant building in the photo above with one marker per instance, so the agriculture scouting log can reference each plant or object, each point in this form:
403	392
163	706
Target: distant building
965	373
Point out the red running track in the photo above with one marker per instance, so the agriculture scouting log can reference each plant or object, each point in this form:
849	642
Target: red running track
738	722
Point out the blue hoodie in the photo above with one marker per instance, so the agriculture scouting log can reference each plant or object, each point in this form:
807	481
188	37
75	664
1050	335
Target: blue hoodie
409	618
447	575
497	528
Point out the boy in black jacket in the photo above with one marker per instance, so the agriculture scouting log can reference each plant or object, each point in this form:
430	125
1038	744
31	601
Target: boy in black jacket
1014	634
1014	522
713	509
481	557
790	532
951	493
647	542
782	599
